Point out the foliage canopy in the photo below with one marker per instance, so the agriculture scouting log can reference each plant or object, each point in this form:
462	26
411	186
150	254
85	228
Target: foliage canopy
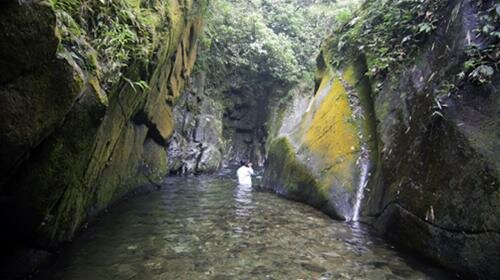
271	39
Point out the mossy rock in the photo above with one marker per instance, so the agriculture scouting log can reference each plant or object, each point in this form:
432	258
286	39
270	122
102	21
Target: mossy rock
435	187
287	176
336	133
75	143
38	86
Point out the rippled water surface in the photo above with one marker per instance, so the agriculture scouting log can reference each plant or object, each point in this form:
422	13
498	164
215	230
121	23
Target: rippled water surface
210	228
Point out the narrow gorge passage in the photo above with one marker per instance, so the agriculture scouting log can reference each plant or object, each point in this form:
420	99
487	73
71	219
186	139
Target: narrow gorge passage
381	113
208	227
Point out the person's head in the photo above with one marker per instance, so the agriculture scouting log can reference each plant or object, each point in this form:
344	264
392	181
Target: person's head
248	163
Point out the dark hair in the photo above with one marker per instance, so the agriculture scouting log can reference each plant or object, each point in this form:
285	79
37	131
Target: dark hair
243	162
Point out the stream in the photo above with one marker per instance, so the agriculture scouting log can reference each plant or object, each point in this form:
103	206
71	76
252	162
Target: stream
208	227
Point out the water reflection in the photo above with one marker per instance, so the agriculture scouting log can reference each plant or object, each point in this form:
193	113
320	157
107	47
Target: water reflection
210	228
243	194
242	206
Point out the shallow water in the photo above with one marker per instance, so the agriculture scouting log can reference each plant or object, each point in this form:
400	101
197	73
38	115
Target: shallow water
210	228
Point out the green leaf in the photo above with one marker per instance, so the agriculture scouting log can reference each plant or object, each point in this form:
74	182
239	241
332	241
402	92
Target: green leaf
425	27
487	29
469	64
406	39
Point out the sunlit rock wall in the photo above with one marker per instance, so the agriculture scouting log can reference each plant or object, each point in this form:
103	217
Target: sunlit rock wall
317	159
70	146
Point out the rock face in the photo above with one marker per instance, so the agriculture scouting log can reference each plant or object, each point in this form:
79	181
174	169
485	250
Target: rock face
245	118
29	62
327	145
216	127
433	176
72	142
197	145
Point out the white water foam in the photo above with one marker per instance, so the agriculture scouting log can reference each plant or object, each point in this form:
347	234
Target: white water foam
364	164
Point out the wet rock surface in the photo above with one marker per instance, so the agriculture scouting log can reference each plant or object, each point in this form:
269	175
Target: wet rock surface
197	145
71	144
438	186
318	157
433	182
37	85
210	228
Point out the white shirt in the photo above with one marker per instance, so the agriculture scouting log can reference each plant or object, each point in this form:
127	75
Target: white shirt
245	175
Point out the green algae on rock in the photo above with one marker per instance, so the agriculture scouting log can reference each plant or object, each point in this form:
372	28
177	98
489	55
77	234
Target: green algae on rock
77	132
433	134
291	177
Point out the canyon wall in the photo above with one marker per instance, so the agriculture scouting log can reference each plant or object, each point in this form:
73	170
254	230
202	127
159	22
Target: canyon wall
86	108
428	72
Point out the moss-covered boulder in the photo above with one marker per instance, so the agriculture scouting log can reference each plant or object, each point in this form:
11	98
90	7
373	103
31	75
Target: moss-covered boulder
288	176
330	142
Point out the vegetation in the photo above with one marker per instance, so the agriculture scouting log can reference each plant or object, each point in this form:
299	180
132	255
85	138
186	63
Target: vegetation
388	34
484	59
104	36
392	32
274	39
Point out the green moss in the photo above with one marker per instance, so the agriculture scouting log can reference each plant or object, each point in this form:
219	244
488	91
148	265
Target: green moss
287	174
56	186
361	83
70	113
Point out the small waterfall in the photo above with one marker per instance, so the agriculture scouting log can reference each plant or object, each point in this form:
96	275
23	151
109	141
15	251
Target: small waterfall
364	165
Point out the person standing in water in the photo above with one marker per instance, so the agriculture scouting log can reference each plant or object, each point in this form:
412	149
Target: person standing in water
245	173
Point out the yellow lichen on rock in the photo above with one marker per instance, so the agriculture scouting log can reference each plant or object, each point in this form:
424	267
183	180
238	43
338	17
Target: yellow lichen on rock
327	144
331	137
164	121
325	148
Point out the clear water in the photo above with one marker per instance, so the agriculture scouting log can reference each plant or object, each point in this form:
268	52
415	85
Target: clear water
209	228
